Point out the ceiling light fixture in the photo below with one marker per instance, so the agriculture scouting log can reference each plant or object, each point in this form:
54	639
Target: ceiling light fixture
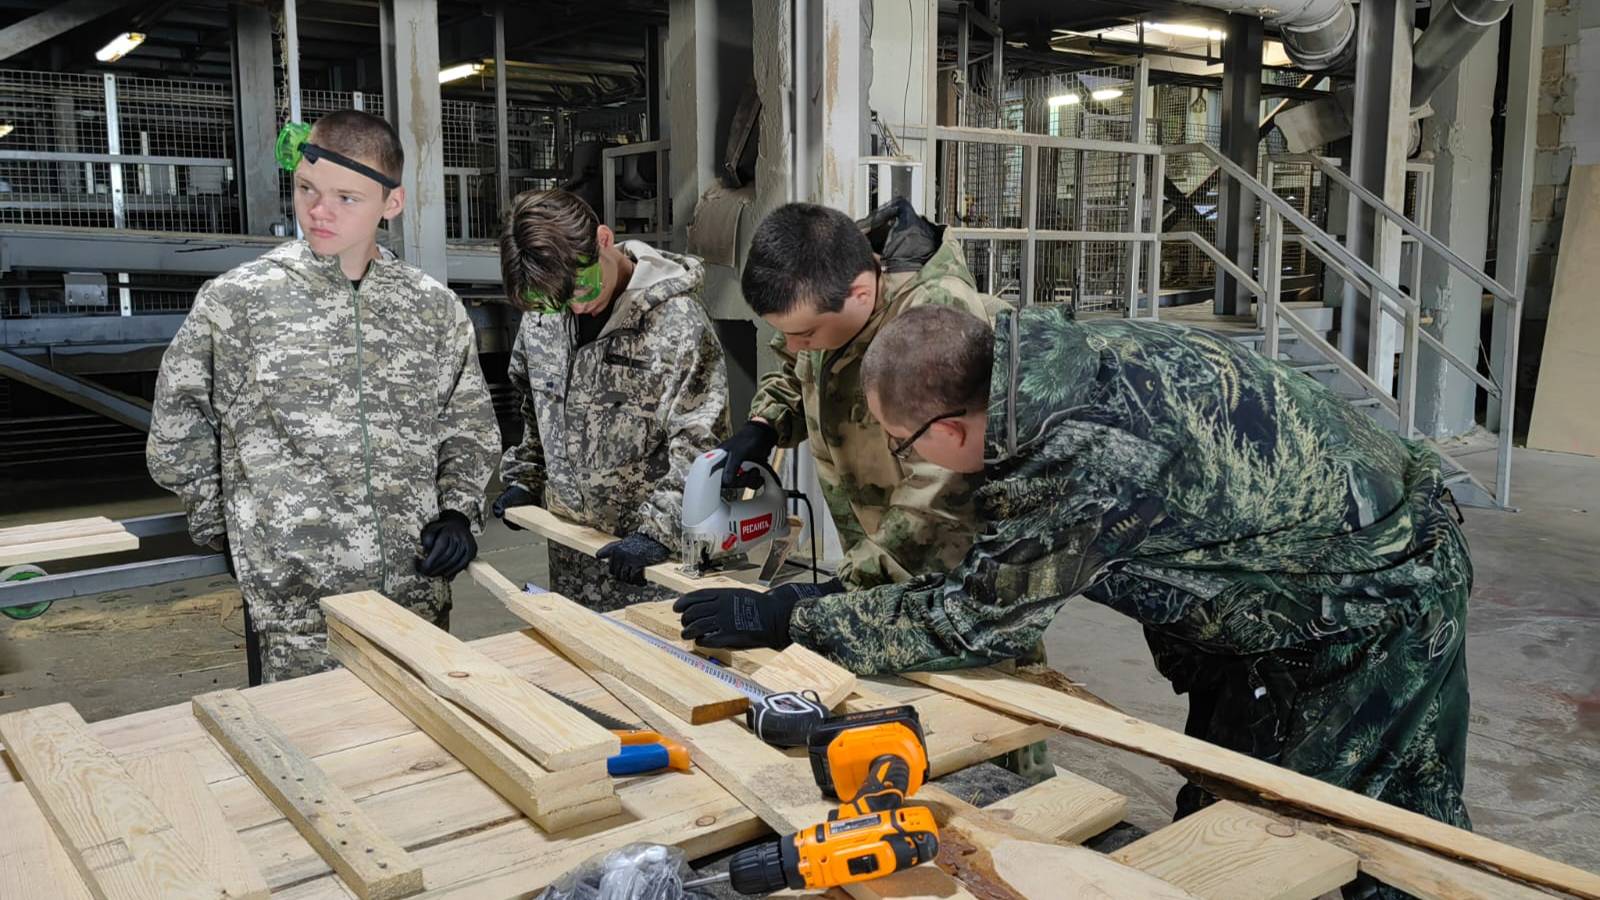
1188	31
1107	94
458	72
1064	100
6	128
120	46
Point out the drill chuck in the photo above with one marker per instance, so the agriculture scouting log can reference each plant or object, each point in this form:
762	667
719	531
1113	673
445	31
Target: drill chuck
763	869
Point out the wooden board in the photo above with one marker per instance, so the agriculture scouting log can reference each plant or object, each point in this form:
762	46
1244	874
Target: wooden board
49	531
1569	368
1271	784
68	548
1230	852
797	668
372	865
969	837
548	525
32	860
119	841
555	735
534	790
1418	872
593	642
1067	808
172	781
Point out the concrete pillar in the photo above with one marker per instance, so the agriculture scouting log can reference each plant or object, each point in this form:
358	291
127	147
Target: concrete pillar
841	72
1381	123
417	113
1241	141
1458	137
255	104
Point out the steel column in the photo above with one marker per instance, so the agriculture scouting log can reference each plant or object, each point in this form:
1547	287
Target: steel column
502	123
255	104
1241	126
418	113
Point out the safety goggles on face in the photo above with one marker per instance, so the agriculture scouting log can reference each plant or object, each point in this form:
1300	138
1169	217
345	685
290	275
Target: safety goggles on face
585	287
294	142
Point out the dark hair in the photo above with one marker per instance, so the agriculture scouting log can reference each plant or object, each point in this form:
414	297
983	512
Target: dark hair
802	251
545	235
930	361
363	137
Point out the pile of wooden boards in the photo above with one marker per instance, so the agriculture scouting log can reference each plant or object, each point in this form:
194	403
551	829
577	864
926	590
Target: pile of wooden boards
67	539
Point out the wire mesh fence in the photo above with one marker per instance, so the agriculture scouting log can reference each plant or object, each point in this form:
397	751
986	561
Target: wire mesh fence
39	295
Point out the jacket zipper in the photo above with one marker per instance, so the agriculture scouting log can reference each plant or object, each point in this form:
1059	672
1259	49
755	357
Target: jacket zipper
366	442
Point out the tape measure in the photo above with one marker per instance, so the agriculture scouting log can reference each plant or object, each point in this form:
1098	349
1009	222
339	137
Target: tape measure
787	718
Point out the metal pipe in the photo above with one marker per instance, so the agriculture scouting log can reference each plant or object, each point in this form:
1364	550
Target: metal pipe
1453	29
1317	34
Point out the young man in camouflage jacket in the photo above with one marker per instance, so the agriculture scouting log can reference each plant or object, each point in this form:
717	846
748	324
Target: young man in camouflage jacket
622	382
1293	563
322	415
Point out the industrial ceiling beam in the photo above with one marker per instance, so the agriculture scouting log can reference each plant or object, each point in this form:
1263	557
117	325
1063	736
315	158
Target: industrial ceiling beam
52	23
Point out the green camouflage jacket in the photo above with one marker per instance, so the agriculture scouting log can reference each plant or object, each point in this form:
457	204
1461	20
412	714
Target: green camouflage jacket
895	519
610	428
1228	502
321	427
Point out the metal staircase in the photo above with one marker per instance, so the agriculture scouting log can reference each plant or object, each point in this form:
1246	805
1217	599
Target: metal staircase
1284	334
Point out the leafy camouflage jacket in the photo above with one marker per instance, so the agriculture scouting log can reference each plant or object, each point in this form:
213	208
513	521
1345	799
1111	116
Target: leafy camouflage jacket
322	426
895	519
611	427
1228	502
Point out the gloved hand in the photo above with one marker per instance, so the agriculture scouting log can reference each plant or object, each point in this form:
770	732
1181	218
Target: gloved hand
796	591
511	496
449	546
753	442
736	618
630	556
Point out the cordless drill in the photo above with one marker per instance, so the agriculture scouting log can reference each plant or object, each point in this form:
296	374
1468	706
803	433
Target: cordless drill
876	759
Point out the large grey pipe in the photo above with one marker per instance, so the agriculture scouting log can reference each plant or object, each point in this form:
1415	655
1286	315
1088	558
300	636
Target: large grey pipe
1317	34
1453	28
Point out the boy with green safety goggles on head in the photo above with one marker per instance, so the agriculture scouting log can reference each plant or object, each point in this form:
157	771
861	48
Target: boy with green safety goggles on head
622	385
321	412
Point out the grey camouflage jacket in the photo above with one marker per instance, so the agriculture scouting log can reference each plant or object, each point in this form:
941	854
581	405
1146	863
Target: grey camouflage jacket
611	427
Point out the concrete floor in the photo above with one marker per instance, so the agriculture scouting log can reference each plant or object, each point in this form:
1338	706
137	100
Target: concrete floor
1534	660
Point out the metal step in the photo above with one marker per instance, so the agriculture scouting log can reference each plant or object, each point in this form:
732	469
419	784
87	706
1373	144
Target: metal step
1361	401
1314	368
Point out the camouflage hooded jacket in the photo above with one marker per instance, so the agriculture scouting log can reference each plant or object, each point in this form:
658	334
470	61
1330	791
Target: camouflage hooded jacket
895	519
611	427
323	425
1228	502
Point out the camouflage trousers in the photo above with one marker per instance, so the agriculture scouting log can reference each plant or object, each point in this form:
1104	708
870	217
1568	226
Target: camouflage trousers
582	578
1385	716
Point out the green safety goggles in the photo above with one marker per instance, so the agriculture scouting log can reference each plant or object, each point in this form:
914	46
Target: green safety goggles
585	287
294	143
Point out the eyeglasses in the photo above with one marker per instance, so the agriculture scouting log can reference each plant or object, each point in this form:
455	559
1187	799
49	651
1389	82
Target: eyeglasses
903	449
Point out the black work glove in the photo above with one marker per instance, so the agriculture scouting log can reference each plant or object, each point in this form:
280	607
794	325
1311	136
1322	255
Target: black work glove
753	442
630	556
796	591
448	545
736	618
511	496
903	240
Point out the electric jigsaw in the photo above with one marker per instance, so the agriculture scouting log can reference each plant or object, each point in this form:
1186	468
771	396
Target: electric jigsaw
718	531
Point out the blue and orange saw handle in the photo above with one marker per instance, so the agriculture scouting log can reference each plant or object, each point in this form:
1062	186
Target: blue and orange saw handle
647	751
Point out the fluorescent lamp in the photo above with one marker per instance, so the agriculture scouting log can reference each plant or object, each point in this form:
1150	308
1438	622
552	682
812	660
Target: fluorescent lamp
458	72
1107	94
120	46
6	128
1064	100
1188	31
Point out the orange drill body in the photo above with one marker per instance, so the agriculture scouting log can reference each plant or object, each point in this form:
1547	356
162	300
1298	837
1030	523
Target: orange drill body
842	851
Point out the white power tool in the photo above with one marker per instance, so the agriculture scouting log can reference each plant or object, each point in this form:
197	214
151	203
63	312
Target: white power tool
716	530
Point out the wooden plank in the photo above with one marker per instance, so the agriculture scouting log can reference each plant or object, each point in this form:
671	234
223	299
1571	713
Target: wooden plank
68	548
47	531
1418	872
798	668
777	786
1569	368
1067	808
32	861
374	867
970	838
555	735
536	791
119	841
173	782
1230	852
593	642
1270	784
548	525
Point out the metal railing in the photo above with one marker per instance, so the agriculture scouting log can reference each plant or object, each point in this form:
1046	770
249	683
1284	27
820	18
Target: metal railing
653	209
1385	296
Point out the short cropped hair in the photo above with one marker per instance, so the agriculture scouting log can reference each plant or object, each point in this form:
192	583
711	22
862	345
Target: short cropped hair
804	252
363	137
929	361
545	236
